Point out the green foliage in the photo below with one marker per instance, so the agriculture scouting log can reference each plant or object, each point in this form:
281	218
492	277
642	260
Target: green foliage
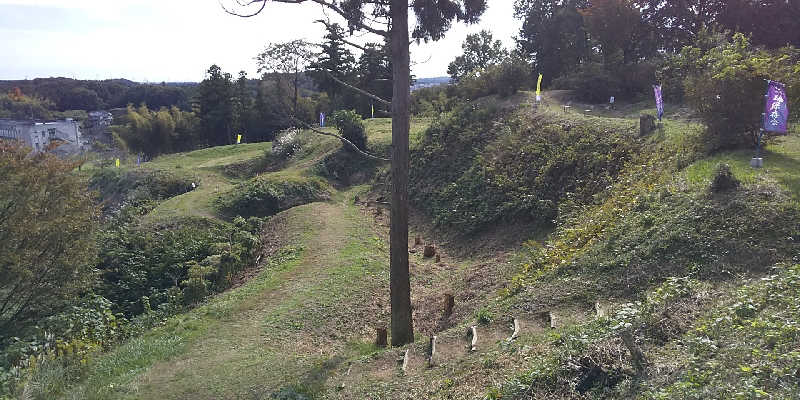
503	79
19	106
747	348
350	127
480	52
137	187
591	83
216	93
47	226
334	61
433	101
484	316
728	88
156	132
267	195
665	233
469	171
197	256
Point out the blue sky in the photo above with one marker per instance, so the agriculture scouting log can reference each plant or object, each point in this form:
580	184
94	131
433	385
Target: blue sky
177	40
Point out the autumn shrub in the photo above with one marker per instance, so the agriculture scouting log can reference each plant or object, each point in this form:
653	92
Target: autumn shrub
48	221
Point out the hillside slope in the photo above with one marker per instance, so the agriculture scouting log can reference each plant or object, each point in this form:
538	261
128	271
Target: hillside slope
610	252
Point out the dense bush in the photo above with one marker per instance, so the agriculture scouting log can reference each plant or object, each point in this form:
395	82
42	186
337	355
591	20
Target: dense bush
503	79
135	187
728	88
267	195
432	101
142	267
350	127
469	171
591	83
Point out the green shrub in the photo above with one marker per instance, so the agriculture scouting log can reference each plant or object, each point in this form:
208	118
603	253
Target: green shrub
503	79
475	167
592	83
350	127
145	260
728	88
136	187
267	195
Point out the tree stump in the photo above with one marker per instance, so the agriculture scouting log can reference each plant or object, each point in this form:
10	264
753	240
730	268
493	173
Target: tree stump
381	337
647	124
417	241
449	303
430	251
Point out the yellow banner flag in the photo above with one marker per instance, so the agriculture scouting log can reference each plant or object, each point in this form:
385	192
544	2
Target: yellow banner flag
238	139
117	163
539	89
373	110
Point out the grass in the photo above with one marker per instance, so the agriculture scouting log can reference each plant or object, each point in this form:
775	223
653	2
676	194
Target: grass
305	323
781	163
272	327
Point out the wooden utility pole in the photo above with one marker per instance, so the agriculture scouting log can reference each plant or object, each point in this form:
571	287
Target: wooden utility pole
399	283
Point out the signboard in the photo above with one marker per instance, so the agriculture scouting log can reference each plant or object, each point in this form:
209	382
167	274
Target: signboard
776	115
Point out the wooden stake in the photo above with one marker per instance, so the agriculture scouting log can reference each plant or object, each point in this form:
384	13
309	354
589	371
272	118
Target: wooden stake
552	318
380	337
516	330
433	351
405	360
474	339
449	303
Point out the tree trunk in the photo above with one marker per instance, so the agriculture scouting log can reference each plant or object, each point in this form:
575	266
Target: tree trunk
296	78
399	283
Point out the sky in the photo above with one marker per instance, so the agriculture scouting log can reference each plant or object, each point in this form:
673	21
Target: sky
177	40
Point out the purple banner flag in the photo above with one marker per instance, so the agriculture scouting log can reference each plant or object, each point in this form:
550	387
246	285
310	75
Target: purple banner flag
321	120
776	115
659	101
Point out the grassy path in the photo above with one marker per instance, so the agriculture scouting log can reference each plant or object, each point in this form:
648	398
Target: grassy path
289	326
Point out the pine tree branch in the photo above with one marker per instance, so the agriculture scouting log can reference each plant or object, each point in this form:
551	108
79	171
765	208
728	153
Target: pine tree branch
359	90
329	4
